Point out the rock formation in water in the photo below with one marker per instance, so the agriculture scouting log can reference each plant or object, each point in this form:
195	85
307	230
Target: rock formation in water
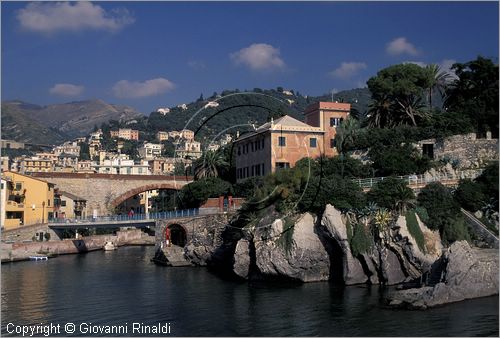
462	273
311	249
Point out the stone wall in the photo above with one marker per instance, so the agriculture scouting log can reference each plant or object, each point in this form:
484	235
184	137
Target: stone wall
26	233
22	250
203	235
464	151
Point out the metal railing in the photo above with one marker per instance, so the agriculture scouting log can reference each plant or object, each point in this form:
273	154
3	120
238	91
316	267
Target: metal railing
420	180
127	218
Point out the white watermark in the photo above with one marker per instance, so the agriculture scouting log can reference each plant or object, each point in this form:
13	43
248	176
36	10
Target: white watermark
51	329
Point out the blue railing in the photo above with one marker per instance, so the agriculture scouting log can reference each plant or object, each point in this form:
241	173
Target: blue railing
125	218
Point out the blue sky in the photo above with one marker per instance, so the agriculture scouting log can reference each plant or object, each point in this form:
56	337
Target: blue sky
160	54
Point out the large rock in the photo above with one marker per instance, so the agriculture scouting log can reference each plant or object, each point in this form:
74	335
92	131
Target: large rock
241	265
336	229
391	267
433	245
198	254
468	273
300	256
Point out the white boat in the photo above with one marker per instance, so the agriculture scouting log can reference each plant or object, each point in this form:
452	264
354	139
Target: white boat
38	258
109	246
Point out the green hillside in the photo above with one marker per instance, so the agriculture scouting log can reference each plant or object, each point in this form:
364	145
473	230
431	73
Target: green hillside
17	125
239	110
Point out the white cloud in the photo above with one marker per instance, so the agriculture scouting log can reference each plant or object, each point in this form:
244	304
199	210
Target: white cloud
348	69
258	56
66	89
50	17
401	46
197	65
129	89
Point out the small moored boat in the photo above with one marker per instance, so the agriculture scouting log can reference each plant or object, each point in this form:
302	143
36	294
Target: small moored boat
109	246
38	258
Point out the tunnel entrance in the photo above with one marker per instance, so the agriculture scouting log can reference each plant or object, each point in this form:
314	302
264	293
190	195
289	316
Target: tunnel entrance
176	234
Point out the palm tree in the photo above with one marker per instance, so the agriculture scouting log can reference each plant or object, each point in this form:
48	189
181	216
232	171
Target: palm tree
406	198
408	109
436	80
210	165
379	112
345	134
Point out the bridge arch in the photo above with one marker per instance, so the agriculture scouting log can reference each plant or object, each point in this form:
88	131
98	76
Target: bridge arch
132	192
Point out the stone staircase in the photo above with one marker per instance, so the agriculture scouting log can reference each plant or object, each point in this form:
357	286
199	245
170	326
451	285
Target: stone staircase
171	256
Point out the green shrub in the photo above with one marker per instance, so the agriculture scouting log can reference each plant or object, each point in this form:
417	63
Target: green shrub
440	205
247	188
339	192
414	229
444	212
398	160
489	181
422	214
196	193
391	193
361	241
470	195
455	231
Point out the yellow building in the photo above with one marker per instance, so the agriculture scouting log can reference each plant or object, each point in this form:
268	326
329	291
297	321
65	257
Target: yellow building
27	200
37	165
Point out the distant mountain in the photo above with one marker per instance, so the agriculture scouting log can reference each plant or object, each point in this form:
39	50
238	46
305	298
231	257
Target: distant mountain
244	109
17	125
73	118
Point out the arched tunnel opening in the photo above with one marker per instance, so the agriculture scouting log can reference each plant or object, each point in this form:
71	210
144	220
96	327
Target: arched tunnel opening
176	234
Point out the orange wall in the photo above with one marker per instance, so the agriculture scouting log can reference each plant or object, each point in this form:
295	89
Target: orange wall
297	147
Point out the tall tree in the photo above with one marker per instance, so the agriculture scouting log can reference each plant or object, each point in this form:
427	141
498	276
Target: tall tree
475	93
437	80
396	91
346	134
379	112
211	164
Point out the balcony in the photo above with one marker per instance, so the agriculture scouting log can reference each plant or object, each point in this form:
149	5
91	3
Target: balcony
14	206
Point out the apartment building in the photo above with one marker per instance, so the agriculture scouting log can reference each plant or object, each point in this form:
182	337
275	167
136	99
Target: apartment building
166	166
125	133
69	148
149	151
162	136
120	166
36	165
188	149
25	200
67	205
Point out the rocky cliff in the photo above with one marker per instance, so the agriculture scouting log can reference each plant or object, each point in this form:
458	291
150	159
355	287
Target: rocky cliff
465	273
309	249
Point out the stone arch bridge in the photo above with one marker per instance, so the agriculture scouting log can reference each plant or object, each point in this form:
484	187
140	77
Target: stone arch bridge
104	192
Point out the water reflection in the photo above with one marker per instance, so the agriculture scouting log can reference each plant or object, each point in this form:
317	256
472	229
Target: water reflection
123	286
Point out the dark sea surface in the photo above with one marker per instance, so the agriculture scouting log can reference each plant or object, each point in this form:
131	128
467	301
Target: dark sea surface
123	287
